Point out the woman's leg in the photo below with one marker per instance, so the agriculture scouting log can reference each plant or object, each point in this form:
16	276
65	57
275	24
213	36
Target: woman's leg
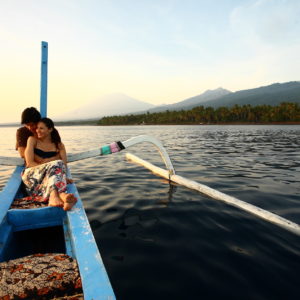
68	200
60	179
55	200
49	181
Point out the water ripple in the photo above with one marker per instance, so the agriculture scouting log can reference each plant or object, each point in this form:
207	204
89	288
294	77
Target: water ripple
164	241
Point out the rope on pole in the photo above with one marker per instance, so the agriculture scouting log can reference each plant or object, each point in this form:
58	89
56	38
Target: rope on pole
104	150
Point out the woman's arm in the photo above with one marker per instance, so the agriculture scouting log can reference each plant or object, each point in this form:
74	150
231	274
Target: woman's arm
62	153
63	157
21	151
29	152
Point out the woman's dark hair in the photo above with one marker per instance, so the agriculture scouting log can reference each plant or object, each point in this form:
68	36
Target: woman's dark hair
30	115
55	137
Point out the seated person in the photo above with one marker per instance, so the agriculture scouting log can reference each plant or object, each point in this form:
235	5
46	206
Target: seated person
30	117
46	166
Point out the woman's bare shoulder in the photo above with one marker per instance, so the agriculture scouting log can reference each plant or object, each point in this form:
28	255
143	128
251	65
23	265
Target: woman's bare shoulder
61	146
32	139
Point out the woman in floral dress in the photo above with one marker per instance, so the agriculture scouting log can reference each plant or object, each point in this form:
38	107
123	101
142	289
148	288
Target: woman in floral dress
45	175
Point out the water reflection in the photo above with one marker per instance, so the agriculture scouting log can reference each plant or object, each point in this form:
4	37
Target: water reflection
164	241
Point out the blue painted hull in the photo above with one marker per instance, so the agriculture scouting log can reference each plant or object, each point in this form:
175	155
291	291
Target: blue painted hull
77	239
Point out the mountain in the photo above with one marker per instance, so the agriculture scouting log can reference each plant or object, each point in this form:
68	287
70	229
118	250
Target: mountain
207	96
273	94
113	104
120	104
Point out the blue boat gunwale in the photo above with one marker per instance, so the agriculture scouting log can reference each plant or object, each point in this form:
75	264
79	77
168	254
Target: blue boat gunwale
80	242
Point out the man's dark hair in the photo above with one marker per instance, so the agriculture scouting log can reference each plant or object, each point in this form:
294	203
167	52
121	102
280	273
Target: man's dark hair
30	115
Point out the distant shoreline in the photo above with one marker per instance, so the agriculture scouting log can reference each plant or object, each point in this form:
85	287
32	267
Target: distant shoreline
209	124
174	124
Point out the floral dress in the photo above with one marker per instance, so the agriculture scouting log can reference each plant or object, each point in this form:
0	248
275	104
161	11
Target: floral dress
41	180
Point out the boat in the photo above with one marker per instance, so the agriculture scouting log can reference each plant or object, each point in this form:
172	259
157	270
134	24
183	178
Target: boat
71	231
66	232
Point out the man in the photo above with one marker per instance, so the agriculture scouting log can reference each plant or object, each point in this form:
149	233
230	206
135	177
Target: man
30	117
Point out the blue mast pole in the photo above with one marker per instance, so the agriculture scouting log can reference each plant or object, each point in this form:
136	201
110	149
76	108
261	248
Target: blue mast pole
44	80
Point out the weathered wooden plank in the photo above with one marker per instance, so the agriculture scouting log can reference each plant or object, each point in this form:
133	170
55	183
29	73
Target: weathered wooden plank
9	192
95	281
24	219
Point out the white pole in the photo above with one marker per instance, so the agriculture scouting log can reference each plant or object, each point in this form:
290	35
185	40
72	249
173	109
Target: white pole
264	214
150	139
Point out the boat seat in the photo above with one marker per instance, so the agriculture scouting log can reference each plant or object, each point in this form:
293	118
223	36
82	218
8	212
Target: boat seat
40	276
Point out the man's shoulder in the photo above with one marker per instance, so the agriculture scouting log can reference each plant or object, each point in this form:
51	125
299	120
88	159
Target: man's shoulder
22	136
24	131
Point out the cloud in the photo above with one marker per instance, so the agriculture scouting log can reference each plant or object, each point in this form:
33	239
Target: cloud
269	32
267	22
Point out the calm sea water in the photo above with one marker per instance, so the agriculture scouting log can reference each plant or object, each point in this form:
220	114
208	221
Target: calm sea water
161	241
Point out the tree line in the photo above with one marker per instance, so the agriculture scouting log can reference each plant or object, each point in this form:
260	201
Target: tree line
284	112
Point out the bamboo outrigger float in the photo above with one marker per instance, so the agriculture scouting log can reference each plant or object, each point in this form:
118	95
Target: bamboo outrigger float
78	237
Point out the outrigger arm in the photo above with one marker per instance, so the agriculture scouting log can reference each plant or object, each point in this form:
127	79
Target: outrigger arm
106	149
171	176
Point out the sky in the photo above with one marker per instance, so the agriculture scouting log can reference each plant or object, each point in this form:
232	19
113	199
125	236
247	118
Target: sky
157	51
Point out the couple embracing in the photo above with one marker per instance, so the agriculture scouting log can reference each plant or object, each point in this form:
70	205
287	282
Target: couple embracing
45	175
